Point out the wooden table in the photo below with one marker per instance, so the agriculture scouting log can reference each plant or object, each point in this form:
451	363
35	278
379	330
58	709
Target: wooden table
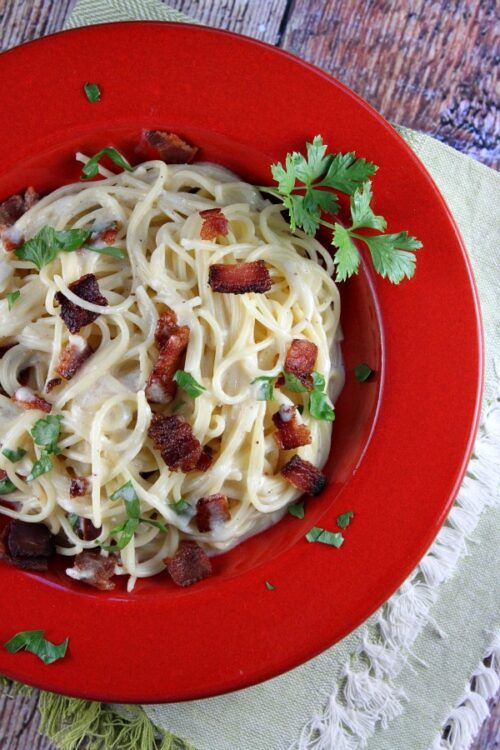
427	64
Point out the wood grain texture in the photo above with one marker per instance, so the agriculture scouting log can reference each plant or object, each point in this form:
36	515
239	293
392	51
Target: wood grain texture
427	64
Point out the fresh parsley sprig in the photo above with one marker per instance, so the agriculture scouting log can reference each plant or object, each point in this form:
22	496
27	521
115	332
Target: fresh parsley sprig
45	433
188	384
304	187
91	168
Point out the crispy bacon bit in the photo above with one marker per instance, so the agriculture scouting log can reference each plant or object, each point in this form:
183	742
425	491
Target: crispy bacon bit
73	356
94	570
74	316
53	383
300	360
290	434
205	460
214	224
26	545
238	278
189	565
86	530
26	398
106	235
212	511
174	438
14	207
161	388
79	487
165	327
156	144
304	475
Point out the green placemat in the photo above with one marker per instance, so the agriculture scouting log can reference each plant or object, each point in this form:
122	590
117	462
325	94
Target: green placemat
391	684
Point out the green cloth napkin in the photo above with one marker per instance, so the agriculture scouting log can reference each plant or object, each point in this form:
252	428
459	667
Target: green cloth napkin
404	704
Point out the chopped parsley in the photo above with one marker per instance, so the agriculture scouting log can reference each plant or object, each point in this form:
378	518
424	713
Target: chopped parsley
41	466
107	250
127	528
304	186
7	486
45	246
265	387
188	384
292	383
333	538
92	92
297	510
269	586
345	519
91	168
11	298
179	506
14	455
45	432
362	372
319	403
34	642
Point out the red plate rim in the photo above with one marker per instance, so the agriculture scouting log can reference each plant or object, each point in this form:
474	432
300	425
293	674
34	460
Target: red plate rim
185	648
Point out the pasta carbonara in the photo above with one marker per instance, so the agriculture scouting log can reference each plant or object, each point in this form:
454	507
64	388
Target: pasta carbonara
236	349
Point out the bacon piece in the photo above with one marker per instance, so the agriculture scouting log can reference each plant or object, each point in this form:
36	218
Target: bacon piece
212	511
238	278
174	438
165	327
74	316
75	353
86	530
205	460
14	207
106	235
214	224
94	570
79	486
53	383
189	565
161	388
300	360
156	144
27	545
26	398
290	434
304	475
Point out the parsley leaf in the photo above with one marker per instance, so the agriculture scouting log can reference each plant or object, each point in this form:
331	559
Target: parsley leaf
292	383
73	519
346	173
11	297
179	506
320	407
265	387
390	254
92	92
297	510
14	455
41	466
126	530
319	403
186	381
34	642
269	586
156	524
361	212
7	486
108	250
45	246
91	168
344	519
347	257
129	496
362	372
45	432
333	538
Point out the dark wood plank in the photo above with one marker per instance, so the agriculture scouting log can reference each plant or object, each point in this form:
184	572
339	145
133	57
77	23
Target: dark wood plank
427	64
258	18
22	20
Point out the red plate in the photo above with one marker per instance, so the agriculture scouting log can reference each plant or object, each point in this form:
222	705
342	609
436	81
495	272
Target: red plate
401	442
